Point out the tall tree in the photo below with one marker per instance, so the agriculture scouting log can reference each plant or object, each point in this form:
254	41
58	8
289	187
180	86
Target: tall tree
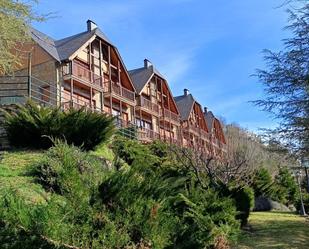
15	18
286	83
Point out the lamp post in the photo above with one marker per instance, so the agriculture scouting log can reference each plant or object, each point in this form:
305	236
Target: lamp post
297	174
305	165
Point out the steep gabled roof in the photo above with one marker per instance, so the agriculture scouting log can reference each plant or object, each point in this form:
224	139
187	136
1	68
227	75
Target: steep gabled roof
141	76
45	42
185	104
211	120
62	49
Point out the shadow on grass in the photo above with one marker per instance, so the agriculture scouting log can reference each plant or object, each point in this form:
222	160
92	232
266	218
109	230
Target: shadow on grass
278	230
17	239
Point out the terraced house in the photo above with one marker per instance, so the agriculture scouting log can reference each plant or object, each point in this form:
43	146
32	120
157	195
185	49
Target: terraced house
81	70
217	138
195	133
86	70
156	111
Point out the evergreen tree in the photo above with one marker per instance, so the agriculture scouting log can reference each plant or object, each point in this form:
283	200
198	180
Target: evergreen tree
286	83
286	185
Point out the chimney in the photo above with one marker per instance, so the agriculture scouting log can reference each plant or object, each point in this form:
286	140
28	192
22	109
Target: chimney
91	25
205	110
185	92
147	63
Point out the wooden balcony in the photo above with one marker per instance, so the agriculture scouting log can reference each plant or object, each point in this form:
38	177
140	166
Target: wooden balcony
195	130
147	135
120	91
170	116
147	105
84	75
89	78
205	135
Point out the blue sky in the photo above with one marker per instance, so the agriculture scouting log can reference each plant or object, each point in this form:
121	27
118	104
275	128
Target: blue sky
209	47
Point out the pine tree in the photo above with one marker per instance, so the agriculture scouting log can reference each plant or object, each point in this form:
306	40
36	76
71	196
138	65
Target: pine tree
286	83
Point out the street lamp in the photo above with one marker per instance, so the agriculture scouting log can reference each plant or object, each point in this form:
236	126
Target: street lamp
305	165
297	174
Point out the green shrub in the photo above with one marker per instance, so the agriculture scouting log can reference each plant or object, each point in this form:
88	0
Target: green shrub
133	152
68	171
141	206
32	126
305	201
263	184
161	207
286	187
244	198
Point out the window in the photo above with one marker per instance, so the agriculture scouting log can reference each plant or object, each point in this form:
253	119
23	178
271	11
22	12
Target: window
114	75
115	112
143	124
105	52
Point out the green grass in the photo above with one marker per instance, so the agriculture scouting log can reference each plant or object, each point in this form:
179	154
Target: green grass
14	175
275	230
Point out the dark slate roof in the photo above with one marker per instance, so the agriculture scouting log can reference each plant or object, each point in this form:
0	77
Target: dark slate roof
184	104
45	42
141	76
62	49
209	116
67	46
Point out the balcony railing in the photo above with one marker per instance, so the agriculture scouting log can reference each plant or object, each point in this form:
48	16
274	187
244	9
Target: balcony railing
143	102
121	91
145	134
193	128
205	135
170	115
87	75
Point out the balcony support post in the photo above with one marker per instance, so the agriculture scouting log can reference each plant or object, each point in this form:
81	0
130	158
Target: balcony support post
91	99
100	64
110	80
120	110
162	106
102	101
71	92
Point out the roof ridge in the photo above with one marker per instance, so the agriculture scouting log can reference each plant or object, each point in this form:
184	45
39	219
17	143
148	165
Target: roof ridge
62	41
33	31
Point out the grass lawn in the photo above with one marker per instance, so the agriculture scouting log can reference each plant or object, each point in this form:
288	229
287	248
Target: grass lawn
275	230
14	175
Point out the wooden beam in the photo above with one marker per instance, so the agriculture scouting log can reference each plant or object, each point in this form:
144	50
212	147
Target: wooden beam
110	79
91	104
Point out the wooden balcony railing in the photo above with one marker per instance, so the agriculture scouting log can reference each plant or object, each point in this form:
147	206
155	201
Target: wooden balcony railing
143	102
145	134
121	91
205	135
194	129
87	75
170	115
